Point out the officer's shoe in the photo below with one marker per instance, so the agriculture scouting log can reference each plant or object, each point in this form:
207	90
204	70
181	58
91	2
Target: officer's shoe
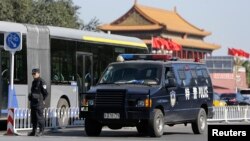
40	134
32	134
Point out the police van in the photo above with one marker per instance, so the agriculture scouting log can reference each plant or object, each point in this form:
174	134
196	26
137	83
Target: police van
148	92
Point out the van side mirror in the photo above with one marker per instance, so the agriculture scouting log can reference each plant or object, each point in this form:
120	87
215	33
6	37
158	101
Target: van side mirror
170	82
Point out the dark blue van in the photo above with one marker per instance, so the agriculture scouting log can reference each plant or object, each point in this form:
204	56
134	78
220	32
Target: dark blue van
148	92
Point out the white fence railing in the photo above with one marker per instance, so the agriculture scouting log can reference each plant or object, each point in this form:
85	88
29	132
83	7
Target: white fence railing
54	118
70	117
231	114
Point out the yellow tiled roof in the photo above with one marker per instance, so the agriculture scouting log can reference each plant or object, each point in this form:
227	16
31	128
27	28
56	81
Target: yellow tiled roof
160	18
172	20
131	28
196	43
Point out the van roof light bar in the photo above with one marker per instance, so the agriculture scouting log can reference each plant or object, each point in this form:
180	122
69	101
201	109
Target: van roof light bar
126	57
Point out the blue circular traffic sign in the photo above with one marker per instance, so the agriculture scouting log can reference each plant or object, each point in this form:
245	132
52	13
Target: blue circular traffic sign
13	40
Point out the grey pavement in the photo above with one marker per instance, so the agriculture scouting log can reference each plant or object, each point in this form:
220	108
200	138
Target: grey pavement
176	133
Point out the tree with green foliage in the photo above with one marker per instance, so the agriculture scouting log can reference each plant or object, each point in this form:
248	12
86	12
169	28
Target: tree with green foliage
6	10
91	26
61	13
246	64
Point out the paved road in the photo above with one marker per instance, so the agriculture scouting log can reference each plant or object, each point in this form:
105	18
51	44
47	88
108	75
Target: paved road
176	133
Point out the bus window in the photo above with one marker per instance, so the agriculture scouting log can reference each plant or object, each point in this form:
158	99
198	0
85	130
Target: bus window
1	39
62	61
4	80
84	71
20	71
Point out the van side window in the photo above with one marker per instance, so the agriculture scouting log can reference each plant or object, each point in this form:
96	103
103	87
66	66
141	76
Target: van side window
203	77
194	77
188	77
205	73
206	76
199	73
182	74
182	77
169	73
170	79
194	74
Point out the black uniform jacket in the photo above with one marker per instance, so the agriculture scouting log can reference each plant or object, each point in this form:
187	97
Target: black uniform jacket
38	93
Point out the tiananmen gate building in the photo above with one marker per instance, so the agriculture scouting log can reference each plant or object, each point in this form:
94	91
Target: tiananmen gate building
147	22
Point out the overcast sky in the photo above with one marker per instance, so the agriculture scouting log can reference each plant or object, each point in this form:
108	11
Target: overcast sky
228	20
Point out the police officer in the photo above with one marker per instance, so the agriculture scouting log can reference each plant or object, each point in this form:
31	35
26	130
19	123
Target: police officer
37	98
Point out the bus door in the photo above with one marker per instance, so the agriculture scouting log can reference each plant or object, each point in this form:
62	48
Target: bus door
84	71
1	83
4	80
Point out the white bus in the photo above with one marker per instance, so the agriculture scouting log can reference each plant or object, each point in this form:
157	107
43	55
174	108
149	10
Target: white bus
70	61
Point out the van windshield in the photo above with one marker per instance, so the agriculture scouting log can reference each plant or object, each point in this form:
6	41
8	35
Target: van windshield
132	73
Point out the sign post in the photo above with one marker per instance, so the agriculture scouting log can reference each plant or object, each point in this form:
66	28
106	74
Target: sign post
12	43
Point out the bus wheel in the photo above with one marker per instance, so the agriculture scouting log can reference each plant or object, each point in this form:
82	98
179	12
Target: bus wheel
156	125
200	124
63	118
92	127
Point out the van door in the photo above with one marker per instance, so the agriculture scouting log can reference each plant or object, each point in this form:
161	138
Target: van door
183	92
172	91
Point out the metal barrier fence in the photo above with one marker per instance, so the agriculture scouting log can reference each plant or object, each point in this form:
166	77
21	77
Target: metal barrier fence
58	118
231	114
54	118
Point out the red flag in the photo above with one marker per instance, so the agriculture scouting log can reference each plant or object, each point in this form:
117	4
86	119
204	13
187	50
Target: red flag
243	53
238	52
156	43
230	52
165	44
177	46
174	46
247	55
235	52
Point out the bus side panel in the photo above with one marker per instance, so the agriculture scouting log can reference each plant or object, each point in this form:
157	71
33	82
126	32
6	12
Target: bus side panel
57	91
38	54
22	95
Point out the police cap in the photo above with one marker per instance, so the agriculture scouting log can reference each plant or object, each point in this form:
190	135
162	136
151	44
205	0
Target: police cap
36	70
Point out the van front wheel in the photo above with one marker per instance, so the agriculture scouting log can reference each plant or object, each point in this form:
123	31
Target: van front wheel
92	127
156	125
200	124
142	127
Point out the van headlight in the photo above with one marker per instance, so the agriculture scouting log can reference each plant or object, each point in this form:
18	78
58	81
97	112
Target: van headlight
88	102
91	102
144	103
140	103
